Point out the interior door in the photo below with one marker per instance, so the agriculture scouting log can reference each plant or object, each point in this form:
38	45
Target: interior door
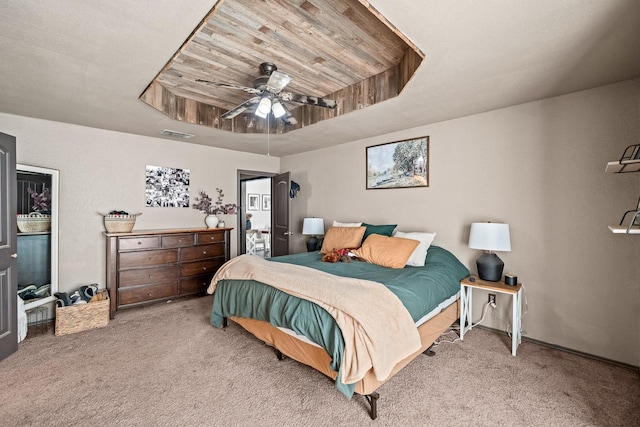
281	235
8	248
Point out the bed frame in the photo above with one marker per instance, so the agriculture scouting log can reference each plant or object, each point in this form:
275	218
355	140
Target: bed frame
317	357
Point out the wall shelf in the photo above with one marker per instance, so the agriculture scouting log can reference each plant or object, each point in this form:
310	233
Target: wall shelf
628	162
617	229
617	167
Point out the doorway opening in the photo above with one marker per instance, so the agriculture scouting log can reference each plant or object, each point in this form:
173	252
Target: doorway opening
254	213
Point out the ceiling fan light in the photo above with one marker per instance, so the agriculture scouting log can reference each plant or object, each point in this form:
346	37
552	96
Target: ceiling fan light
264	107
278	110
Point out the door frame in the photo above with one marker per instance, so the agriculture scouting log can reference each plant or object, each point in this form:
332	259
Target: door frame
55	194
242	177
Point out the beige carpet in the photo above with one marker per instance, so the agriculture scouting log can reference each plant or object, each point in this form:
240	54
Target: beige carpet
165	365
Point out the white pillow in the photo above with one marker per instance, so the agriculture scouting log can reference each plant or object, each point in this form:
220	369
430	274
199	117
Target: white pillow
419	254
346	224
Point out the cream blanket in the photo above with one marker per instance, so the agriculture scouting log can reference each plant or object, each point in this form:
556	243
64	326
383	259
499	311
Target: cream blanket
378	330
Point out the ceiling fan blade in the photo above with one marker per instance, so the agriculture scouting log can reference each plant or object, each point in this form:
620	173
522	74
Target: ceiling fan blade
231	86
277	81
241	108
308	100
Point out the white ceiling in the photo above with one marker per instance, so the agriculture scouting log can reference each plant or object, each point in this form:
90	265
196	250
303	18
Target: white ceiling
87	62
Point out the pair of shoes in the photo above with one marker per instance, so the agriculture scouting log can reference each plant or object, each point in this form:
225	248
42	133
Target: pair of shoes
74	297
43	290
89	291
28	288
28	295
63	299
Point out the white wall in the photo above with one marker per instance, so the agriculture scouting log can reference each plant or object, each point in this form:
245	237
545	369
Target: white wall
104	170
538	167
260	218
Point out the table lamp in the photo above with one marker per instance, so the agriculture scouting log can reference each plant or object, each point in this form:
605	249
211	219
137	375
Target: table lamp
312	227
490	236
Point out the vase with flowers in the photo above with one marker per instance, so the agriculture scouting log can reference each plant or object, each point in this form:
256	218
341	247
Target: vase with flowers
211	208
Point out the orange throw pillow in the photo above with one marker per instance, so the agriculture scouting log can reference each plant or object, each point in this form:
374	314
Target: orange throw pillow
392	252
341	238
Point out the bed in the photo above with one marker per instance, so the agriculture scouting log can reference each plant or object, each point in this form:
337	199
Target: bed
358	323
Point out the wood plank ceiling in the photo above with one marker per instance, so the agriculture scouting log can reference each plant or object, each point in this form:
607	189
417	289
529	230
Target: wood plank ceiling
337	49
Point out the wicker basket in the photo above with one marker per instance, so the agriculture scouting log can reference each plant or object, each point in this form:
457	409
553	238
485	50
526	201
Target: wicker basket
82	317
35	222
119	223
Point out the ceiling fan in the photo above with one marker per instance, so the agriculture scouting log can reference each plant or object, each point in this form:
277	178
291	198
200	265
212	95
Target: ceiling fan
269	96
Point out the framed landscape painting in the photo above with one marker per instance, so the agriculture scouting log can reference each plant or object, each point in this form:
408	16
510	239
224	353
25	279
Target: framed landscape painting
401	164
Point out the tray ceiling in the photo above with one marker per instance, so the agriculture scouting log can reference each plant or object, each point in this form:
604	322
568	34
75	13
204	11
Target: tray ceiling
338	49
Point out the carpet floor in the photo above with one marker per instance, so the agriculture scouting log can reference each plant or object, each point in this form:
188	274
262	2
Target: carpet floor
165	365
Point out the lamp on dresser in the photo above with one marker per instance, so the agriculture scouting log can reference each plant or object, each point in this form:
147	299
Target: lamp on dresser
312	227
490	236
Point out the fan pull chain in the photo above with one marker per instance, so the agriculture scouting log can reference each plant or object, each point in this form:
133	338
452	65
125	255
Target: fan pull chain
268	132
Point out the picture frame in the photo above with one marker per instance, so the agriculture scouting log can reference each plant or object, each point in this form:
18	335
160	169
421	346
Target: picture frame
399	164
266	202
166	187
253	202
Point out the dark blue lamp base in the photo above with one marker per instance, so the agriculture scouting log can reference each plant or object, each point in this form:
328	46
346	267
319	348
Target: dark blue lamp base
312	244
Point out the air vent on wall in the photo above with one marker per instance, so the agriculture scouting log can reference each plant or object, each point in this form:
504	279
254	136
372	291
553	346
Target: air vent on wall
176	134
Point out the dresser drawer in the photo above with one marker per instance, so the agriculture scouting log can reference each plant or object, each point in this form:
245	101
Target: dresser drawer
204	238
147	258
178	240
195	284
134	243
138	294
203	251
143	276
200	267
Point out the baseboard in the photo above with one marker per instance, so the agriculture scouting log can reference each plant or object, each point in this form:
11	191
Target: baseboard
565	349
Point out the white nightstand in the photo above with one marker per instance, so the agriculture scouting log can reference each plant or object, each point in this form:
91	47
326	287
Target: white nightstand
466	324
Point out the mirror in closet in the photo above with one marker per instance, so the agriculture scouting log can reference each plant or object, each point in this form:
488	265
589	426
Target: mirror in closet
37	208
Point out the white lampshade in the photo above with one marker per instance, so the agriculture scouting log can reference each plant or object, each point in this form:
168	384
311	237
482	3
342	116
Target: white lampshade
278	109
313	226
490	236
264	107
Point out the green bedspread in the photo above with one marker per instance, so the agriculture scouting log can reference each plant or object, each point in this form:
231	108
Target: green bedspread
421	290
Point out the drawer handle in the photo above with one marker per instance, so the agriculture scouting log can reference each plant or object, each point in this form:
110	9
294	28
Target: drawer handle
139	243
150	294
204	252
149	276
204	268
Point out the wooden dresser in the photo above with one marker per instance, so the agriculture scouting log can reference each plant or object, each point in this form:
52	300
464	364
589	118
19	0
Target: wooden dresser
155	265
